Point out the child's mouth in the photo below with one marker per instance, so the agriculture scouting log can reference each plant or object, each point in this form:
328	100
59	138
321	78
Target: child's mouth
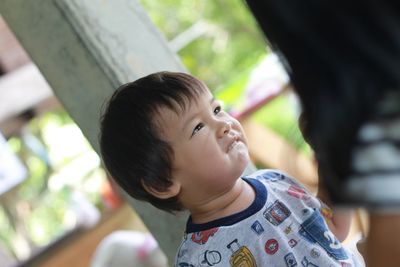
233	144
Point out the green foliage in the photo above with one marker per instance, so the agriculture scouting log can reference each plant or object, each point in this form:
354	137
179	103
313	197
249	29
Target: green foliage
233	92
5	226
42	210
230	46
279	116
36	178
46	222
224	56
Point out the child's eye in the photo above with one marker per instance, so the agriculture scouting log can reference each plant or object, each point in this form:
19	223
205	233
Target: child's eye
197	128
217	110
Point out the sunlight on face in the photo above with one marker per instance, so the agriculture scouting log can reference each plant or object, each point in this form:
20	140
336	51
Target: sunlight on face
210	147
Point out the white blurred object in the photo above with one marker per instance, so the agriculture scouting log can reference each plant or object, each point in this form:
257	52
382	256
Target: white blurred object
21	89
12	171
268	78
84	212
351	245
128	248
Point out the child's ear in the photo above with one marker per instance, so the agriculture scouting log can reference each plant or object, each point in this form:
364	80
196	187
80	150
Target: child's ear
172	191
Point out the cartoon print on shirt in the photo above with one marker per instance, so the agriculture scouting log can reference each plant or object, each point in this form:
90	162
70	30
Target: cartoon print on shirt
295	246
277	213
271	246
306	263
290	260
315	253
182	251
306	212
333	242
209	258
203	236
271	176
241	255
292	243
288	229
315	230
298	192
257	227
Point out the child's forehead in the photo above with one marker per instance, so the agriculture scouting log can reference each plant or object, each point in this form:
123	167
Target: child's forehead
173	115
189	102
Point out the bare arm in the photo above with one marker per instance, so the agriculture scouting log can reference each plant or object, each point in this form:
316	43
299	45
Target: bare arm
337	219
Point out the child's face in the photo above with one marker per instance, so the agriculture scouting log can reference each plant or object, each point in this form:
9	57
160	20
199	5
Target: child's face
210	149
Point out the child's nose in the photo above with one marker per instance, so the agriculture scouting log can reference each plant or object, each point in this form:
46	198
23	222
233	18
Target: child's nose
225	127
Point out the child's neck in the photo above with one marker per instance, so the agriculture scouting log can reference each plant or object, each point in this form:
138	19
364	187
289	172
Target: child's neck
237	199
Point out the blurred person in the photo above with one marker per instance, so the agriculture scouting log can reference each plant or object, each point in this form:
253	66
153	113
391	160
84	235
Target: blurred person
343	58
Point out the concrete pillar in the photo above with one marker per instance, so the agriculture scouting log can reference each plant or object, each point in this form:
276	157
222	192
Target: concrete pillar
85	49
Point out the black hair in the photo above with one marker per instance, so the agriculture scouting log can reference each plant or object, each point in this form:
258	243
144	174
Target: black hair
343	58
132	148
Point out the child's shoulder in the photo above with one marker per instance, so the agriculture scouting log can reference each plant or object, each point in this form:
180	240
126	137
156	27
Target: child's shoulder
274	176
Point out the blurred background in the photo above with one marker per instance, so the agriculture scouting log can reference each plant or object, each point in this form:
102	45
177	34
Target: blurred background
53	188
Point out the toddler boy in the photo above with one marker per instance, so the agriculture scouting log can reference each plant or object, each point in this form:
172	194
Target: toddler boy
166	140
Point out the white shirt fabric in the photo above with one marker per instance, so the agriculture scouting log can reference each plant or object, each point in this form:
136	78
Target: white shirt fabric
282	227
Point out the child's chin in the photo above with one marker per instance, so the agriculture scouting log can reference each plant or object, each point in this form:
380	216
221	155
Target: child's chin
244	159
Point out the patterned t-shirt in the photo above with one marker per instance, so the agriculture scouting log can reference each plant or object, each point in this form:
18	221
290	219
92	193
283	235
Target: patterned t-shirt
282	227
